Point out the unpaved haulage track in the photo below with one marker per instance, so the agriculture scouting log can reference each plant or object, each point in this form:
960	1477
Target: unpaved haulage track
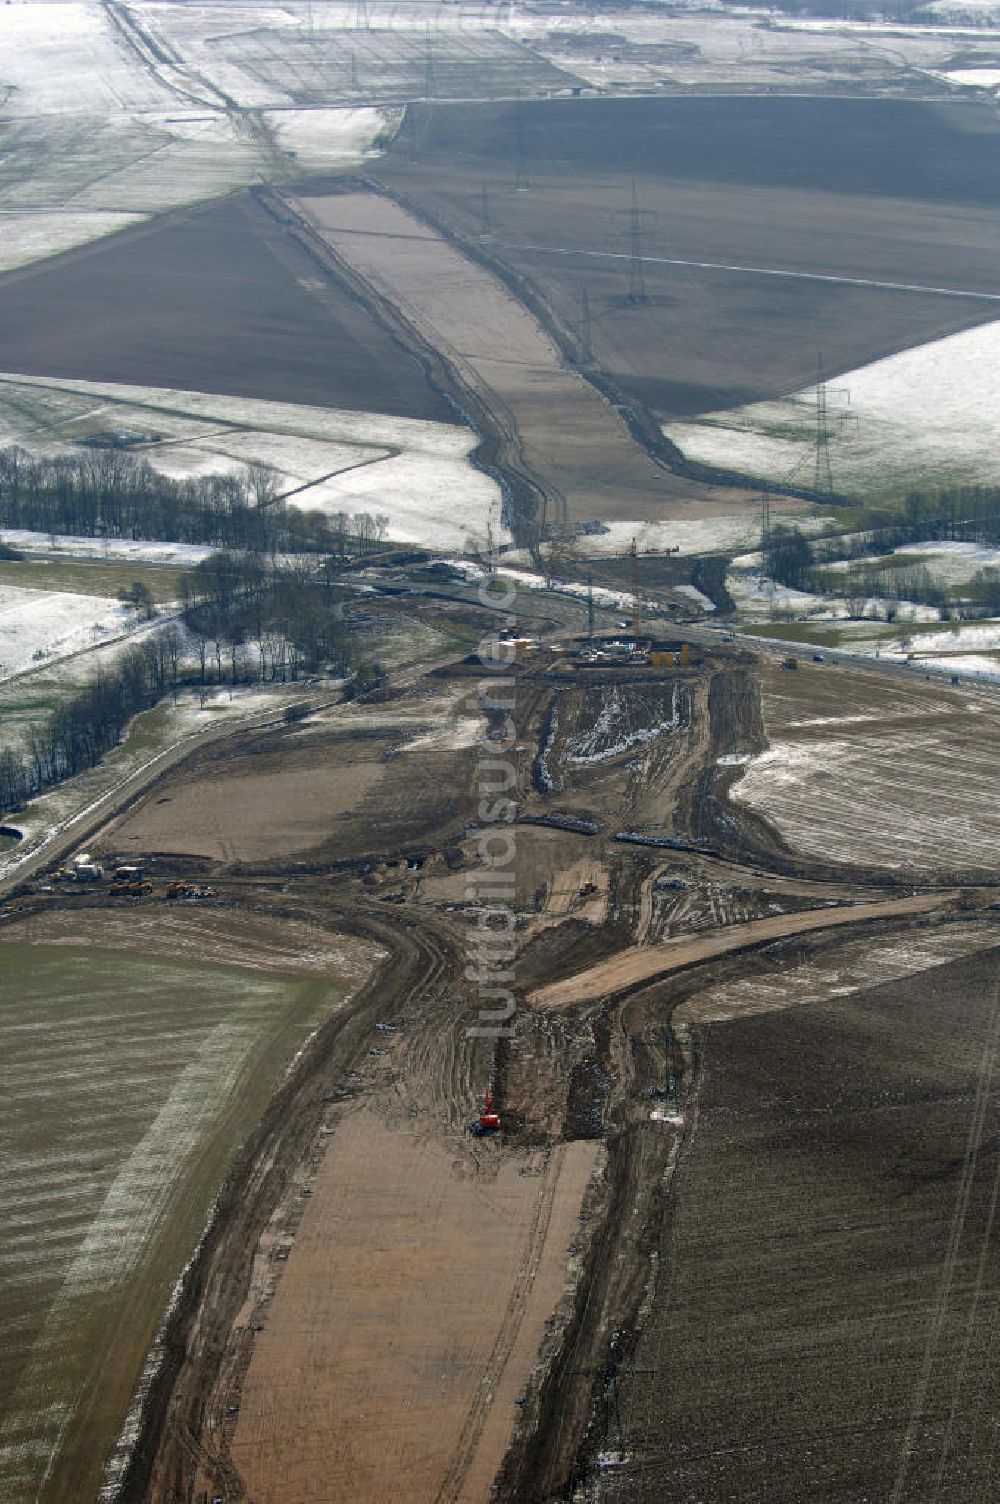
640	964
406	1324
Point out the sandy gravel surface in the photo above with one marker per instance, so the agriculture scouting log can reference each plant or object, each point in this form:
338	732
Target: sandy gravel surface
640	963
406	1323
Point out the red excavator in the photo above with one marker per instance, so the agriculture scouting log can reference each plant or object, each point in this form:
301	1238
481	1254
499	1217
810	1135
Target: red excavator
489	1118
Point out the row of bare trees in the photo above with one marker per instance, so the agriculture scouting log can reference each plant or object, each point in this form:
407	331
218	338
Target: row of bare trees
245	619
86	724
113	493
255	619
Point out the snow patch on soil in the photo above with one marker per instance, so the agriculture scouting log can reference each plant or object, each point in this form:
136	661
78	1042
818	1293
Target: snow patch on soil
926	416
615	732
693	593
414	472
31	236
464	732
324	136
976	78
950	563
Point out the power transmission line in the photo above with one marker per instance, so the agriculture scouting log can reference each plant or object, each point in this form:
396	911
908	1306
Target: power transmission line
521	183
635	219
586	340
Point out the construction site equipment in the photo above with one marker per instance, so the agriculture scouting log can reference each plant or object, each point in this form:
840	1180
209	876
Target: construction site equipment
489	1118
181	888
131	888
789	663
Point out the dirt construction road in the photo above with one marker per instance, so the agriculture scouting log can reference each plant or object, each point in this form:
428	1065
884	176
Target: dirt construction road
640	963
401	1336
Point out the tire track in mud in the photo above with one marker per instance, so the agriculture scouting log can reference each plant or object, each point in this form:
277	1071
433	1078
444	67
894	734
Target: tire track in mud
472	1430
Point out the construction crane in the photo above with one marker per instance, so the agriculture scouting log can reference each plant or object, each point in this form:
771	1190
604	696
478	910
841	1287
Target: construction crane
634	572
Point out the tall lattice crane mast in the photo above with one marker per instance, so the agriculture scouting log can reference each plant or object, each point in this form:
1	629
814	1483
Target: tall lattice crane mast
634	573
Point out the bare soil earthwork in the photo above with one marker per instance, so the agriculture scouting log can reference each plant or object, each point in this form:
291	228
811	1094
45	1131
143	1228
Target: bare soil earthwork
377	1291
250	816
406	1324
833	191
297	792
218	299
641	963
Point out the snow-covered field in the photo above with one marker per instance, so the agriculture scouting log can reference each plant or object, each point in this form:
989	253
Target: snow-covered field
753	49
975	78
977	13
112	114
971	649
118	550
706	535
925	417
42	626
952	563
758	598
414	472
101	130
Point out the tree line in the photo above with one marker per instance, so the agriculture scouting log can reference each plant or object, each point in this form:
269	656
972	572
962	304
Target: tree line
91	721
245	619
249	618
967	514
112	493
